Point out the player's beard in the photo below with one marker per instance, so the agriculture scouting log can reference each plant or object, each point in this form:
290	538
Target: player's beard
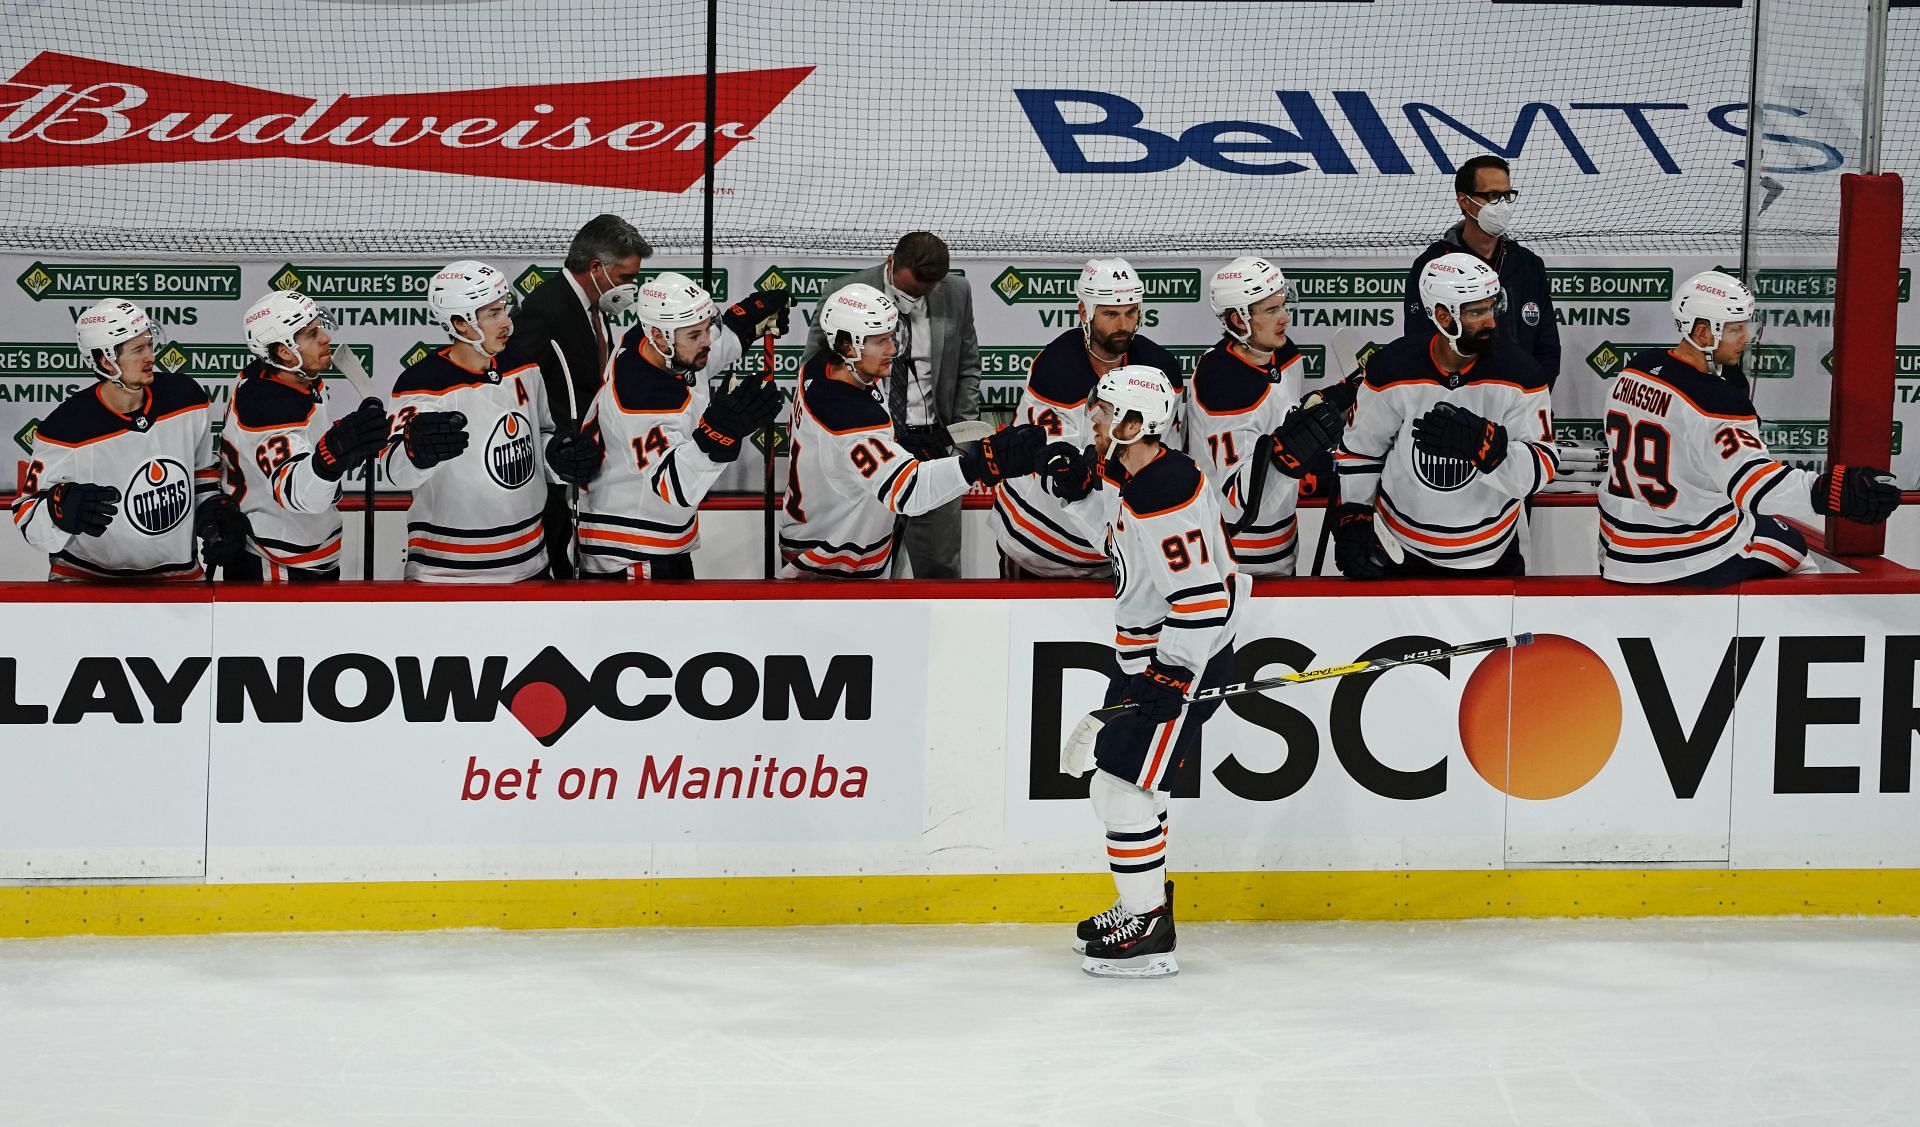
1473	344
1115	343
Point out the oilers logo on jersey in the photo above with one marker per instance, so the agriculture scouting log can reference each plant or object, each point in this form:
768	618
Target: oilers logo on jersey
510	454
1442	472
159	496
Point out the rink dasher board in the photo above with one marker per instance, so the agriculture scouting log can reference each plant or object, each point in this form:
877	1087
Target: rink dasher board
268	790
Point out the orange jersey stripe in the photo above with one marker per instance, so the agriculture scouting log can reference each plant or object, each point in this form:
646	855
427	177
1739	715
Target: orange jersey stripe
1498	529
477	549
1628	540
1013	514
604	536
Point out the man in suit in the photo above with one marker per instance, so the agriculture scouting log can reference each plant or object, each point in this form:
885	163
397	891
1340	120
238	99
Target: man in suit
563	327
935	379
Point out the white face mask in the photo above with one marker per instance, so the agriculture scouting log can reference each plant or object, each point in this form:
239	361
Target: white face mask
909	305
1496	219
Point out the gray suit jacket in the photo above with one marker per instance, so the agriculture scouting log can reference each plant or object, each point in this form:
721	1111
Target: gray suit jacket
955	348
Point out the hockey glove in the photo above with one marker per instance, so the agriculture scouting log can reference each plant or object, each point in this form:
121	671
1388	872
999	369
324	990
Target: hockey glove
760	313
351	440
1013	452
1159	690
223	531
1356	549
1448	431
1067	473
1303	438
1857	493
736	413
1341	394
82	508
574	458
434	436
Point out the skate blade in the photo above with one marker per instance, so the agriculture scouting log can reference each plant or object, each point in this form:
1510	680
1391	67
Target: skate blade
1143	966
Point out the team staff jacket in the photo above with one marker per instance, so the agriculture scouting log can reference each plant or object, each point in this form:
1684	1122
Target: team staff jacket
645	502
1030	524
1688	471
1234	402
1177	592
1529	319
274	423
161	460
475	518
847	479
1441	508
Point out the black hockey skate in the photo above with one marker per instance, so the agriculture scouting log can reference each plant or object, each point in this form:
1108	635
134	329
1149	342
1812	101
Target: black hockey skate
1090	928
1137	947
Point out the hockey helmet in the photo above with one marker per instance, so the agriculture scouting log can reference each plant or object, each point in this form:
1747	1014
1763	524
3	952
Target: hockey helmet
860	311
1142	388
276	319
1242	284
1108	281
106	326
1454	281
462	290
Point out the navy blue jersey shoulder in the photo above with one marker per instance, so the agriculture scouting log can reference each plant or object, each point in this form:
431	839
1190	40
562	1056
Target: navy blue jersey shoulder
1400	360
841	406
436	373
1167	482
1224	382
1145	351
1506	361
1062	374
639	386
261	402
1724	394
84	418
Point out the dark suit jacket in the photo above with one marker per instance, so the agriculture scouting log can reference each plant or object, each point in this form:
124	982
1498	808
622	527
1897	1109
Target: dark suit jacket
954	350
552	331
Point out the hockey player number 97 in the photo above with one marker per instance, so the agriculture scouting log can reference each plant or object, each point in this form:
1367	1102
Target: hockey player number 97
1648	445
1178	558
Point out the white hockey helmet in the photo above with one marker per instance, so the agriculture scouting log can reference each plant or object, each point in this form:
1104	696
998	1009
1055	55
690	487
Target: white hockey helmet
1143	388
276	318
860	311
1108	281
1456	280
1718	299
1242	284
106	326
461	290
670	302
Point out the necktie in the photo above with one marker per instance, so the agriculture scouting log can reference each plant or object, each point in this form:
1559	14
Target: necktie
902	371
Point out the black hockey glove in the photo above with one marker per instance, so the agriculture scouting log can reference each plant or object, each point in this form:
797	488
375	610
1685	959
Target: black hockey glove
1356	548
734	414
223	530
434	436
1159	690
1448	431
1067	473
574	458
760	313
1341	394
81	507
1857	493
351	440
1012	452
1303	438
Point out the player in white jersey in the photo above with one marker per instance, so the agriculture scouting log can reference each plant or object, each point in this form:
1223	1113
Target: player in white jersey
283	452
658	441
1693	496
122	477
1246	426
1450	435
467	439
1177	602
1034	538
848	477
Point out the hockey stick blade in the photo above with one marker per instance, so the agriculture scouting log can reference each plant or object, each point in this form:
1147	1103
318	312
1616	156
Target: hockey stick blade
1389	543
971	430
349	366
1343	355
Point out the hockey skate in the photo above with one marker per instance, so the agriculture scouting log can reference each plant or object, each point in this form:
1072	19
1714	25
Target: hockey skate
1090	928
1138	947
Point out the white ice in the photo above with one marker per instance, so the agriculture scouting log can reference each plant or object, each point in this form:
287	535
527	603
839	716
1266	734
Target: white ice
1544	1024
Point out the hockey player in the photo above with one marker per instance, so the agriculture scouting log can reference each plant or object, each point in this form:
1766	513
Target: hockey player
654	440
1693	496
1246	426
284	453
122	477
1450	434
467	439
1034	539
1176	605
847	475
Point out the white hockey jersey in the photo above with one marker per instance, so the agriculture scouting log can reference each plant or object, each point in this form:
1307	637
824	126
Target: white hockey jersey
1235	402
1177	591
848	479
1687	472
1443	509
161	460
645	502
475	518
1030	526
266	449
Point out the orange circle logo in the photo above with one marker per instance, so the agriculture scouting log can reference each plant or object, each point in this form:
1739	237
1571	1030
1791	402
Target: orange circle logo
1543	722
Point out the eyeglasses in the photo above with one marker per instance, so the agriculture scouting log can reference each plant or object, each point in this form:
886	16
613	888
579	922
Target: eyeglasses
1495	197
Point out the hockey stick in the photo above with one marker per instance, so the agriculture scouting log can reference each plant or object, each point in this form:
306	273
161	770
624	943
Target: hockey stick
1076	754
767	531
1343	357
971	430
349	366
573	491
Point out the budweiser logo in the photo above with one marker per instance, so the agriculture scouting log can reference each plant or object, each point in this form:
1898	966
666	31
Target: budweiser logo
644	134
